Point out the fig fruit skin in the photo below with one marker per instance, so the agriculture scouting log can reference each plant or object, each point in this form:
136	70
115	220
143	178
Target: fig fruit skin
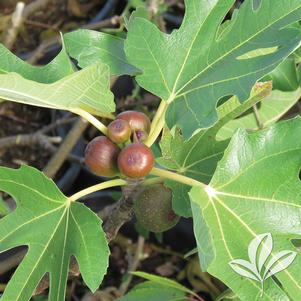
136	160
119	131
153	209
140	136
101	156
137	120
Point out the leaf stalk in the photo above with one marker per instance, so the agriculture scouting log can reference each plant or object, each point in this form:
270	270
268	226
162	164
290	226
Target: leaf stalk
97	187
176	177
157	123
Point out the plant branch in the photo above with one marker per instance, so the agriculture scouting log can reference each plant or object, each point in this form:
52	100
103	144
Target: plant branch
65	148
257	117
14	26
176	177
133	265
122	211
28	140
97	187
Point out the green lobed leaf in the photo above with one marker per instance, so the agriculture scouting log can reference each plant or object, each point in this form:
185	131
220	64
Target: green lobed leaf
197	157
163	281
255	189
195	66
89	47
58	68
271	109
285	77
54	229
88	89
150	291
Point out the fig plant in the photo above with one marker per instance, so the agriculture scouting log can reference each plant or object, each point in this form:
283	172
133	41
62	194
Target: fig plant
235	184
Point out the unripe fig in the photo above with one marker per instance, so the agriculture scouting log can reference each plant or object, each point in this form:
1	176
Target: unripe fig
137	120
101	157
136	160
153	208
119	131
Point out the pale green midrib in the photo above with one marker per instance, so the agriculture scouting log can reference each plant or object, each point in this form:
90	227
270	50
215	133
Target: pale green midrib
223	81
63	255
82	235
253	164
80	231
233	49
41	255
189	51
254	198
226	245
203	159
192	148
157	64
30	221
64	199
197	172
253	233
192	113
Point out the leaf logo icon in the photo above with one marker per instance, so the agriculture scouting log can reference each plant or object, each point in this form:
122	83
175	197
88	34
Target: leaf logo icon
262	262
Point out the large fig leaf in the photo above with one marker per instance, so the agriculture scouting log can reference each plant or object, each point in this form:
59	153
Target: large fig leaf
58	68
255	189
195	66
88	89
54	229
197	157
90	46
271	109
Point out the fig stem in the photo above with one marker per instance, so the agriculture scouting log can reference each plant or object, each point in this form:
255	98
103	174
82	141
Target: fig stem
93	120
97	187
157	123
176	177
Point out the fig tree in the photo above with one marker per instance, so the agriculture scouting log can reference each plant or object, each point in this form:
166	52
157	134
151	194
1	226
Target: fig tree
136	160
101	156
153	209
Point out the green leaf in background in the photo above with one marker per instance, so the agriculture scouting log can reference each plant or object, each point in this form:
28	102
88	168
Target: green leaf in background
164	281
193	67
60	67
149	291
197	157
4	209
227	295
255	189
89	47
285	77
272	108
54	229
88	89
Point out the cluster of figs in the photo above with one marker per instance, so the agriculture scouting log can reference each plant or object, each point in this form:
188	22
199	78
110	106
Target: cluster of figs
123	153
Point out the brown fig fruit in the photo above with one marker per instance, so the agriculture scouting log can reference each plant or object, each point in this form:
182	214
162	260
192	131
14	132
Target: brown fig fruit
137	120
119	131
153	209
136	160
101	157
